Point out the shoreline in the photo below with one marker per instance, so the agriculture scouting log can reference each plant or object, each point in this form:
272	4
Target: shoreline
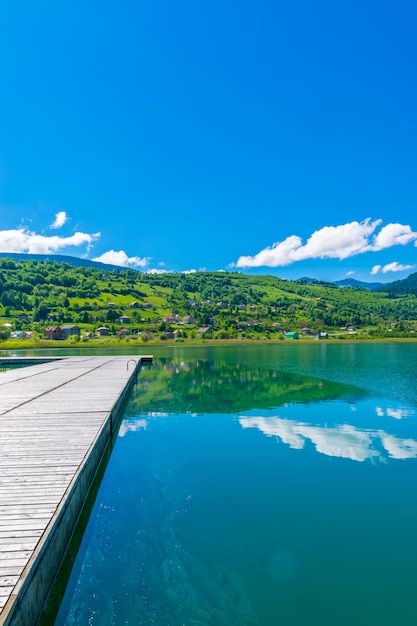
114	344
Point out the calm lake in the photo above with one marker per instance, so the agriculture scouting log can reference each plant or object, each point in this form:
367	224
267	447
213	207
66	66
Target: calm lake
258	485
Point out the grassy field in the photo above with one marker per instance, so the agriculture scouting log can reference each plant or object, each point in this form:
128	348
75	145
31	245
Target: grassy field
123	343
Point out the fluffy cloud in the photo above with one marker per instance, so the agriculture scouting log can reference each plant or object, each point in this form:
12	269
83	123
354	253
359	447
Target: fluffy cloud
340	441
391	267
128	426
155	270
393	235
399	448
23	240
343	441
397	413
120	257
279	254
331	242
60	219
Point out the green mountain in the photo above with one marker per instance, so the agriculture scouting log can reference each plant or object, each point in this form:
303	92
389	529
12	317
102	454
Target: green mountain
35	293
59	258
352	282
406	286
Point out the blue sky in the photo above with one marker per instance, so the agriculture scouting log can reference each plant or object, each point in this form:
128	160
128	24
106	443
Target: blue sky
263	137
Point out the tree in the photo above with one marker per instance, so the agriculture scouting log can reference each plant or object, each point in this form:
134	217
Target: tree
4	333
112	315
41	313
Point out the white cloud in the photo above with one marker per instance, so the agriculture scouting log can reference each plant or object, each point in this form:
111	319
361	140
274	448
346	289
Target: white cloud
60	219
131	426
344	441
194	271
392	235
391	267
340	441
397	413
350	273
338	242
279	254
23	240
155	270
331	242
120	257
399	448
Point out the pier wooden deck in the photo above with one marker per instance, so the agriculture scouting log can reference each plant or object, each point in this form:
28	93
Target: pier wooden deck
56	420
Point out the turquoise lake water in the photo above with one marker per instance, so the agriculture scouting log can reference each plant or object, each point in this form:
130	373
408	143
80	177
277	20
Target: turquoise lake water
260	485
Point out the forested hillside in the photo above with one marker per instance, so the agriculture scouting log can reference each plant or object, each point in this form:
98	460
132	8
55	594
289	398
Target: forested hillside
406	286
35	295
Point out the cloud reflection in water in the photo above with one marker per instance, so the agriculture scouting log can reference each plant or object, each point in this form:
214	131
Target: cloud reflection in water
343	441
398	413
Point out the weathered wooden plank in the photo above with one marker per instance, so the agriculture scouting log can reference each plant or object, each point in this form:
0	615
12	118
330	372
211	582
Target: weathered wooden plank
16	525
8	535
8	579
6	572
15	556
17	547
28	512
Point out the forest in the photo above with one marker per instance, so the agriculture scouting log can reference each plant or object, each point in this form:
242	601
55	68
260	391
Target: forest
39	294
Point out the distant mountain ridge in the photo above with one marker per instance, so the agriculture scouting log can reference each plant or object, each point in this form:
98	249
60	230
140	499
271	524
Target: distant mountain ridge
346	282
61	258
352	282
405	286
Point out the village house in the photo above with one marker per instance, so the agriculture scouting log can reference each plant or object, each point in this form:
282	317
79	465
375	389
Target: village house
134	305
124	319
187	319
147	305
18	334
171	319
71	330
53	332
103	331
204	331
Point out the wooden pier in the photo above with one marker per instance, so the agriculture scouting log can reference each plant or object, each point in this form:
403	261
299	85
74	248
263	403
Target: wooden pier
56	421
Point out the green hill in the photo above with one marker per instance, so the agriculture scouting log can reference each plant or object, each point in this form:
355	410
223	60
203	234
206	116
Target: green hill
35	294
406	286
